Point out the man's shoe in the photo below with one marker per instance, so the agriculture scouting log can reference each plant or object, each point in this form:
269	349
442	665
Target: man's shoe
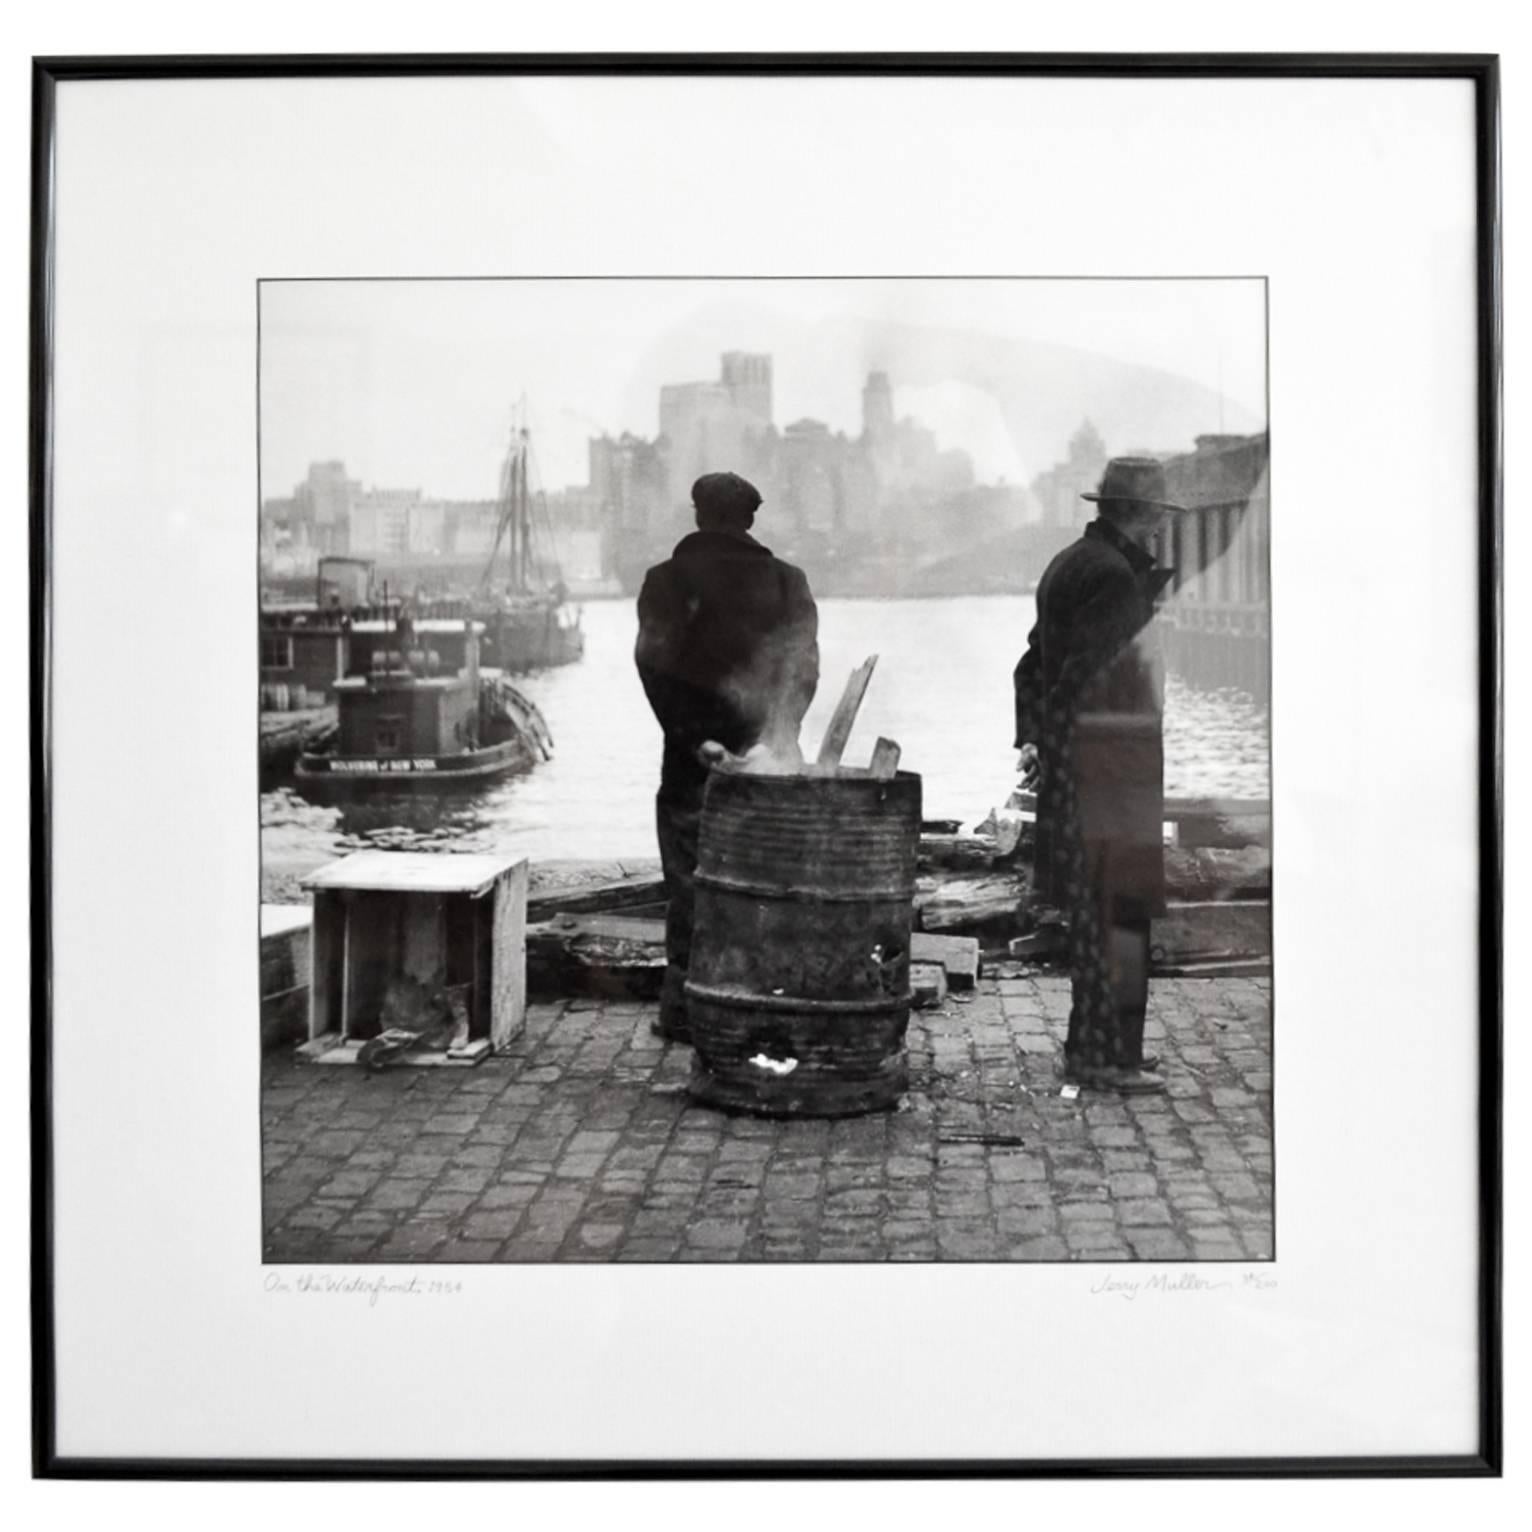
1149	1061
1128	1082
671	1026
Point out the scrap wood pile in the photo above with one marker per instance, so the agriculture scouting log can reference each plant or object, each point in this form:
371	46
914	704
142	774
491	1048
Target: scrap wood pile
605	936
612	957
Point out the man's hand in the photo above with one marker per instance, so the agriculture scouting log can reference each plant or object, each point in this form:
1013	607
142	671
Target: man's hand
1030	767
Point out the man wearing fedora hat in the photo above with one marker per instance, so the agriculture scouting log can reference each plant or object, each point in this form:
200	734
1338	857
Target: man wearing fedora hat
1089	725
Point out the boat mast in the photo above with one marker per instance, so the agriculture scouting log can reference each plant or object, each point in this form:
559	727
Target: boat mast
513	514
524	579
514	525
506	522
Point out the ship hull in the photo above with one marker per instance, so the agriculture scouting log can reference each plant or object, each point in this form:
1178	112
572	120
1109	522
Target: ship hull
467	768
533	640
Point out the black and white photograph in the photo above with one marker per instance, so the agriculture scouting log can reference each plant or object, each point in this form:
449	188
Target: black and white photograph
759	764
765	770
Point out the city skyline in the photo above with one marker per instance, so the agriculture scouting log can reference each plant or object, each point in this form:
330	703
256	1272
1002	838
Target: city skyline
889	486
375	489
417	383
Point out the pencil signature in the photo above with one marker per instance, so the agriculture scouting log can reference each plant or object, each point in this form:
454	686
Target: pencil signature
1183	1282
326	1285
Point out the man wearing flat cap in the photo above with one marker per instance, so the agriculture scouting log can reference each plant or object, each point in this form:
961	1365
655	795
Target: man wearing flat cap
728	654
1089	725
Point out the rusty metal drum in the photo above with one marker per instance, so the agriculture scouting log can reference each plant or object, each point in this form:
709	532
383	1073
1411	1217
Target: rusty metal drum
798	990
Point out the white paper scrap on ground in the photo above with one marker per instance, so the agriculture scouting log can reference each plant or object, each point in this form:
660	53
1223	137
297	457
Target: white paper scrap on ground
775	1066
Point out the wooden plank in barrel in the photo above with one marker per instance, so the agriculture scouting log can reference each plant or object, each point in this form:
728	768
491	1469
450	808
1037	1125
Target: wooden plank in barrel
843	719
885	760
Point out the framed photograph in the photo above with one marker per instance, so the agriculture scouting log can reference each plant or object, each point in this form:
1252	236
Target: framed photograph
875	769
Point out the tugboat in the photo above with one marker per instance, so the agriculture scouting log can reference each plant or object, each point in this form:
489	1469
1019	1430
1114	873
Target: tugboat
417	710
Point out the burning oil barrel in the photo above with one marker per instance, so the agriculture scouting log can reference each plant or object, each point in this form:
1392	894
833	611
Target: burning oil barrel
798	993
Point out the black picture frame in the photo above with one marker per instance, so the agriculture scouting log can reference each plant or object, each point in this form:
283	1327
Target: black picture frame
1481	71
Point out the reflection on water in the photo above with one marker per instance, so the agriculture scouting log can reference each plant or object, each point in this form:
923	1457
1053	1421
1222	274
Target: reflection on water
1217	744
942	689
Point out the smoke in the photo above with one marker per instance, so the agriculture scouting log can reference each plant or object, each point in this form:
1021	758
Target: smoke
773	689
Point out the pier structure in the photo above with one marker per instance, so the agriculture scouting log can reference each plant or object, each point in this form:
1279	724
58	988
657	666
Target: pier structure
1217	621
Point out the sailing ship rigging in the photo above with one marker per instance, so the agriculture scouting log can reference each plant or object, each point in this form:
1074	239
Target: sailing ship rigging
531	622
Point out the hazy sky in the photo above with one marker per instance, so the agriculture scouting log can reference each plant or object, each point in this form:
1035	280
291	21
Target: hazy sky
414	384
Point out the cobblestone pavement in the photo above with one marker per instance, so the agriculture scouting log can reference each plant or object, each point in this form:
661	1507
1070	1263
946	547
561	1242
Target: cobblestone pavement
581	1145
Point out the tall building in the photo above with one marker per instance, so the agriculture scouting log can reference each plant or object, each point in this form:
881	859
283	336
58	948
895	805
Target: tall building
629	481
877	408
327	493
314	520
380	522
713	426
810	483
831	500
321	508
747	377
1058	489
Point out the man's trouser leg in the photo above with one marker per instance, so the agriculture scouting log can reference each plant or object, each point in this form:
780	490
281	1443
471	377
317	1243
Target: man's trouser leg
1093	1041
677	821
1078	879
1129	939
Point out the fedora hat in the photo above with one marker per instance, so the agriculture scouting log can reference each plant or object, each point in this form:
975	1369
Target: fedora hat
1137	479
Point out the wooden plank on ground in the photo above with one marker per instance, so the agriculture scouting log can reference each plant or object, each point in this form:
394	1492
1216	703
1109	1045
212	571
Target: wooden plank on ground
625	928
597	898
958	955
1217	968
1203	937
1221	929
1177	809
1199	822
957	903
1210	872
956	851
606	955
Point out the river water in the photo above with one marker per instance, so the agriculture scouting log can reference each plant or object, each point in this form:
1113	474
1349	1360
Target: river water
942	689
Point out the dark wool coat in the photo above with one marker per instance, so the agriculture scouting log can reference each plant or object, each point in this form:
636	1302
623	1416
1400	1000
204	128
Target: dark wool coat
727	650
1090	696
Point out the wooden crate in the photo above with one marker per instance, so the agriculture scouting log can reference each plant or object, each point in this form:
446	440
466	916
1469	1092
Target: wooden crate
452	922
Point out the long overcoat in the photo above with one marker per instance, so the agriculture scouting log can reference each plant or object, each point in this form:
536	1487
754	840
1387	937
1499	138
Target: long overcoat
1090	695
727	650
